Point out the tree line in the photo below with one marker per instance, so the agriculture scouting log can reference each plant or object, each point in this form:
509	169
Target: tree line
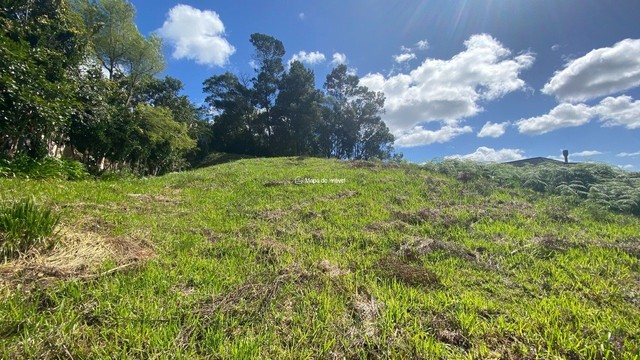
77	78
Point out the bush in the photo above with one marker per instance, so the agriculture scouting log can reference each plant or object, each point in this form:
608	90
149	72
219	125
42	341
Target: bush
49	167
596	185
24	225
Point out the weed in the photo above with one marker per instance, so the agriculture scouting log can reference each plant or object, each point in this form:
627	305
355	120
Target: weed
24	225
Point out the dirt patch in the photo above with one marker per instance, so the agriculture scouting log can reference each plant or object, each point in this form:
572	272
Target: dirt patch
419	246
331	270
77	255
395	267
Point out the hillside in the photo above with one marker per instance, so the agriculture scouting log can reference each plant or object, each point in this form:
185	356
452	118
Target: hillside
263	258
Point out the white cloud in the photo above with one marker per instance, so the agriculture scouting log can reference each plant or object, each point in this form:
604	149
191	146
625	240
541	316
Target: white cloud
555	47
493	130
562	116
197	35
450	90
601	72
311	58
421	136
404	57
619	111
422	45
586	153
338	58
485	154
301	16
627	167
626	154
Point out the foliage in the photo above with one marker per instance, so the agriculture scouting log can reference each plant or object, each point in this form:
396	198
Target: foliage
39	42
279	112
597	184
23	166
162	141
24	225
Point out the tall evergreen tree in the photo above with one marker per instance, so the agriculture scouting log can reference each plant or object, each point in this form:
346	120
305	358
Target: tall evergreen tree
297	112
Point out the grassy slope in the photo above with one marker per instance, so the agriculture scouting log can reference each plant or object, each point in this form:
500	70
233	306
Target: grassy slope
394	262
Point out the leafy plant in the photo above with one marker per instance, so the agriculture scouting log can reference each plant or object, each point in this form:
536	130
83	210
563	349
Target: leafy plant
45	168
24	225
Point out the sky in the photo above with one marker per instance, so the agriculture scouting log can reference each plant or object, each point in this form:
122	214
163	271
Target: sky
487	80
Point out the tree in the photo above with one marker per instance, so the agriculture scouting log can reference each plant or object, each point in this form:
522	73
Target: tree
353	127
269	69
230	103
123	52
297	112
162	141
40	42
166	93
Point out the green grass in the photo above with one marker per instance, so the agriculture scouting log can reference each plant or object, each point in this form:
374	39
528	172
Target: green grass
396	261
24	225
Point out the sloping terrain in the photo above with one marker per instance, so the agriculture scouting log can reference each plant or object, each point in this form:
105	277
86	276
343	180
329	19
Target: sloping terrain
312	258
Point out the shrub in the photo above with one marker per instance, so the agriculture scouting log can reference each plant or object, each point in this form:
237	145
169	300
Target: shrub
24	225
49	167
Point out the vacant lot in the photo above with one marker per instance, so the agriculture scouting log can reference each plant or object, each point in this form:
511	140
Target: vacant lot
311	258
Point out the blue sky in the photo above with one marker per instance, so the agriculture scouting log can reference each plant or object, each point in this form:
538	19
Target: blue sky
490	80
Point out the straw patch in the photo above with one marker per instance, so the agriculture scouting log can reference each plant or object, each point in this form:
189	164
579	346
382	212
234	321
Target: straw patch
76	255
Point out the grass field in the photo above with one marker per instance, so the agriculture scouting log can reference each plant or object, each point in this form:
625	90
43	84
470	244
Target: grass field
310	258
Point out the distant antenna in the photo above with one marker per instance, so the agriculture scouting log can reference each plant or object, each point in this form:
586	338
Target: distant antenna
565	153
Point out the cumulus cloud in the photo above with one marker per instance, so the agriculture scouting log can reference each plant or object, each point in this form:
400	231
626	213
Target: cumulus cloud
626	154
338	58
619	111
421	136
404	57
587	153
493	130
627	167
310	58
196	35
486	154
601	72
562	116
612	111
449	90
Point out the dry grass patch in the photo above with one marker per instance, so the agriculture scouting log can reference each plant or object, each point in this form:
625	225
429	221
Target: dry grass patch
448	331
419	246
330	269
76	255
